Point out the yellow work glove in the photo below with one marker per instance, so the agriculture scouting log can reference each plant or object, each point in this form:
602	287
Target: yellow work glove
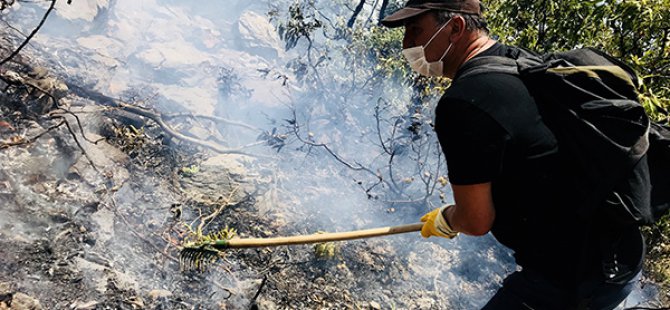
436	225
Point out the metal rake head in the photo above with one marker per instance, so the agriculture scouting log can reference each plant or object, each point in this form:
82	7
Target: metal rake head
204	251
198	257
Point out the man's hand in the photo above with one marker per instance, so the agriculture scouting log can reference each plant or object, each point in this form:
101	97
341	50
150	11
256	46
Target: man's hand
436	225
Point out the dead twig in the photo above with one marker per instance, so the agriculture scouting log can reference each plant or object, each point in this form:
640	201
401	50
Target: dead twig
258	292
32	34
205	221
295	128
32	139
134	231
81	147
76	117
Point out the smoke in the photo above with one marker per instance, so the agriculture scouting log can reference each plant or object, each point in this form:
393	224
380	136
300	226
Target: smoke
328	137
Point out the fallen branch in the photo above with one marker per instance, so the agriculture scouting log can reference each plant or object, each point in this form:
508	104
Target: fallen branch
211	118
59	112
156	117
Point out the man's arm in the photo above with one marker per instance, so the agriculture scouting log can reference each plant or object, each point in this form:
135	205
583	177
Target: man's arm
474	145
473	213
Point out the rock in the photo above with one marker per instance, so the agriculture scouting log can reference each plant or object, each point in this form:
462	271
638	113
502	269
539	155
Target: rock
91	305
5	289
158	294
375	306
105	220
258	36
175	54
107	158
106	49
233	164
199	99
266	304
220	176
80	9
21	301
425	303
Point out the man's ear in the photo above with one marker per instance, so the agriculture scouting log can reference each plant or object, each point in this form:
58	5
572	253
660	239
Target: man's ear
458	28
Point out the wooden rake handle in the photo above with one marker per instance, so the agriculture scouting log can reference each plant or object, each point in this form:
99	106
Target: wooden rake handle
318	238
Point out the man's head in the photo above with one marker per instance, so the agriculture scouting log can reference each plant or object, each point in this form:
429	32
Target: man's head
447	31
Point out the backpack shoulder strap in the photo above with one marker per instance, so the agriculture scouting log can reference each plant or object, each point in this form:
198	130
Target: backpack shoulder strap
592	57
487	64
499	64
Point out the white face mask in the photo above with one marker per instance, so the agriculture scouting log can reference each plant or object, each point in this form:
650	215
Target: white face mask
416	56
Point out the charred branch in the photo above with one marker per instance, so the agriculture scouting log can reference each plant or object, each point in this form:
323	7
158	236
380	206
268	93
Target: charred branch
295	130
154	116
216	119
81	147
382	11
32	34
357	11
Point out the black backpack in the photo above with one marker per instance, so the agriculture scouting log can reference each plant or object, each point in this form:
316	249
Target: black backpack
589	100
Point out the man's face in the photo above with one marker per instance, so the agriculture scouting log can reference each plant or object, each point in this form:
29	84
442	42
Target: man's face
419	30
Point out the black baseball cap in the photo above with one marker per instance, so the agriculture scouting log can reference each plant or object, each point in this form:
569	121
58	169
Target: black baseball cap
416	7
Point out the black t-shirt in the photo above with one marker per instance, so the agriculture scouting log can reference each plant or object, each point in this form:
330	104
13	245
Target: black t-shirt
490	130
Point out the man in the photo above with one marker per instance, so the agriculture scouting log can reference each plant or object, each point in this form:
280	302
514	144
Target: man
505	170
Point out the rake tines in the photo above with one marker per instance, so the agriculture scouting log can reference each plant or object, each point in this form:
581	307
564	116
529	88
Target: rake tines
198	258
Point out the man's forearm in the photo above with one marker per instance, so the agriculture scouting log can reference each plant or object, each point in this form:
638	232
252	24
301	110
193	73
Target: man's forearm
462	222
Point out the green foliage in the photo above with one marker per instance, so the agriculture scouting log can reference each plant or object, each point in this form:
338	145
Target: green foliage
301	23
382	46
190	170
326	250
196	237
657	264
636	31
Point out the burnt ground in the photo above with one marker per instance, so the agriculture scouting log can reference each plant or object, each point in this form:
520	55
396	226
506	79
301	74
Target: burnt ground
73	238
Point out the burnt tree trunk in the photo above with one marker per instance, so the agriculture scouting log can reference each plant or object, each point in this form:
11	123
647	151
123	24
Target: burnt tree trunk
382	11
357	11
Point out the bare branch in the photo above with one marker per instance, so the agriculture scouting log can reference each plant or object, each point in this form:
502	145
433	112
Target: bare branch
83	150
357	11
32	34
156	117
382	11
211	118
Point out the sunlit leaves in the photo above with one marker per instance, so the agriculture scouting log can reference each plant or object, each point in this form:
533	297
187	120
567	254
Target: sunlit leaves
636	31
301	23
